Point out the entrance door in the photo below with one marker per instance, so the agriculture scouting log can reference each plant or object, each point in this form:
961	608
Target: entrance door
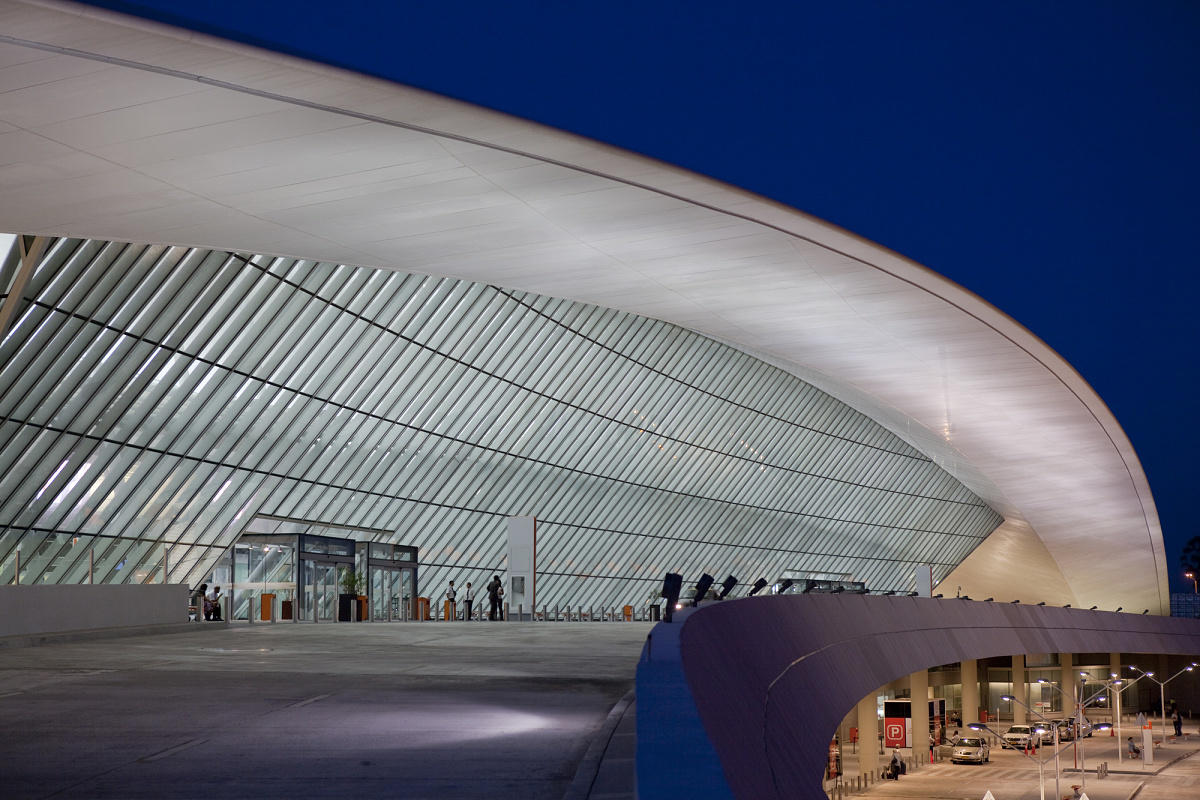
405	595
319	592
391	589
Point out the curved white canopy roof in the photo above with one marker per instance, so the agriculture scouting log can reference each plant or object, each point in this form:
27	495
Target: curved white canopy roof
115	128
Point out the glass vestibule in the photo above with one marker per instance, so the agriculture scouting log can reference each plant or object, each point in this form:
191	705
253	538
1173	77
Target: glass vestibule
391	580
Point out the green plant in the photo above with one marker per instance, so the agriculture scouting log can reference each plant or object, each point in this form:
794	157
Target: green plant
353	582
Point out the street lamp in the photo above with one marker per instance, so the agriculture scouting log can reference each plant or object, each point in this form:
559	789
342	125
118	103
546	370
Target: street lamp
1162	697
1192	576
1080	705
978	726
1057	772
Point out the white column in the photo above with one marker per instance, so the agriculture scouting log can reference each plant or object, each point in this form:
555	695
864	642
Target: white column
1069	682
970	693
868	736
1018	688
919	681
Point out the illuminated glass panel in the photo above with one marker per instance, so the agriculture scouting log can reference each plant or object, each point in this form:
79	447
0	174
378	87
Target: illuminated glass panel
160	398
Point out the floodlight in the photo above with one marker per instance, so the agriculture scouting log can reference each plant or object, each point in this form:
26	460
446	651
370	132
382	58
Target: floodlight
785	585
1068	605
1144	613
702	586
1119	609
990	599
759	585
889	593
938	596
727	587
1042	603
1016	601
1093	608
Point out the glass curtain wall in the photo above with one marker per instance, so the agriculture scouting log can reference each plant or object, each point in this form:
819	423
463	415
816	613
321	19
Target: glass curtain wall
154	399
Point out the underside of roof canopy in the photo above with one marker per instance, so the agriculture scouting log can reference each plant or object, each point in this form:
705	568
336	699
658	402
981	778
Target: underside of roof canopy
118	129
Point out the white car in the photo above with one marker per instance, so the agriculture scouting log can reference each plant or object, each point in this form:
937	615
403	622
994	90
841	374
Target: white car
1019	737
970	749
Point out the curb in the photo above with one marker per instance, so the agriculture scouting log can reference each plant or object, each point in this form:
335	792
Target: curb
589	767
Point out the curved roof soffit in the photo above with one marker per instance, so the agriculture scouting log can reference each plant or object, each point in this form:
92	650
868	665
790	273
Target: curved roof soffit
134	131
750	663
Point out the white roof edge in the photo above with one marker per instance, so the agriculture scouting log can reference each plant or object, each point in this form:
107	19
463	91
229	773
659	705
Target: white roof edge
424	111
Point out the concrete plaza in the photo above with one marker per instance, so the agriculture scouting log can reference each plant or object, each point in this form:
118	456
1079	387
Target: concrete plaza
462	710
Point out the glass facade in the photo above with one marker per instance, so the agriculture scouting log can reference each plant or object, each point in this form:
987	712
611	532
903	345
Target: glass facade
156	399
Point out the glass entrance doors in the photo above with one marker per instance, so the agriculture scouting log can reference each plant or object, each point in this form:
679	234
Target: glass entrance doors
391	594
318	595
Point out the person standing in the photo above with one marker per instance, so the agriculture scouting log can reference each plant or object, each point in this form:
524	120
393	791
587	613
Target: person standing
451	605
468	597
1177	718
493	590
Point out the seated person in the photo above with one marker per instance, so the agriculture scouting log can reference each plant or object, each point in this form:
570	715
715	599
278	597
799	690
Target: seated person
212	606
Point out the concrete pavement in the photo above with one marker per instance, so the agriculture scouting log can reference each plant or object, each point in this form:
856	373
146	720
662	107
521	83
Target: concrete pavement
461	710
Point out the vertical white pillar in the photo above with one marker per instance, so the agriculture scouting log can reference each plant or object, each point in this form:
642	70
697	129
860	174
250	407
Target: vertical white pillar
522	561
970	693
166	554
868	735
1114	668
92	565
1069	679
919	681
1018	688
17	570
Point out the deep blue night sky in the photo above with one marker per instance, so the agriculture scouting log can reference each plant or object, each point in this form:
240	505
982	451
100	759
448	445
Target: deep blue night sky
1042	154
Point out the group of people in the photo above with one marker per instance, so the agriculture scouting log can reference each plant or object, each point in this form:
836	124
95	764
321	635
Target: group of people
208	603
495	593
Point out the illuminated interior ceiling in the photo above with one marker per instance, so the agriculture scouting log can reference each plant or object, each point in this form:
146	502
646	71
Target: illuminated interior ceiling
115	128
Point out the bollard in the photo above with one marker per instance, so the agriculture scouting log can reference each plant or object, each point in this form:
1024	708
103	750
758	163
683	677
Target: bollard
556	612
590	617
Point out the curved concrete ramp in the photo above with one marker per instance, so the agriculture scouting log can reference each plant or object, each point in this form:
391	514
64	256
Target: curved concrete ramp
769	679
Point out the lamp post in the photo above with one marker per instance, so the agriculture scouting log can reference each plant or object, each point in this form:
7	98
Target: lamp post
1057	772
1080	704
1162	697
978	726
1192	577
